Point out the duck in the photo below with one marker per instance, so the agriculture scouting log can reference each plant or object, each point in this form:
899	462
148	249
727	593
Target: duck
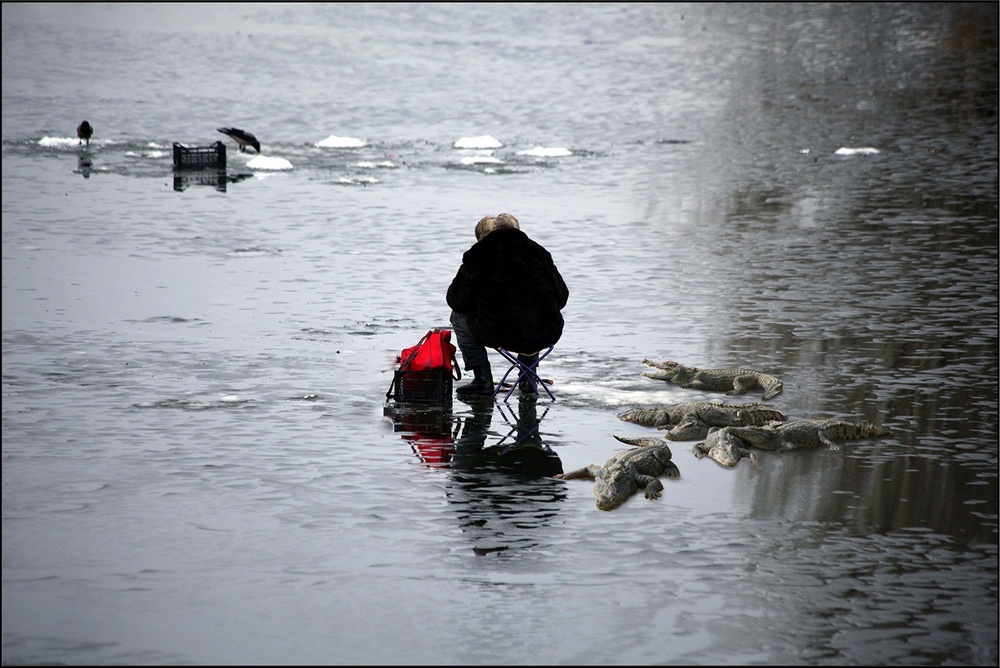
242	138
84	131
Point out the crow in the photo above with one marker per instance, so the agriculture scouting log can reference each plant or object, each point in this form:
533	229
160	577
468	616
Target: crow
242	138
84	131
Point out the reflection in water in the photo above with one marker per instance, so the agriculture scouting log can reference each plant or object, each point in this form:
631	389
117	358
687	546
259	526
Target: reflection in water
905	337
916	297
218	179
871	488
520	453
84	164
441	439
430	429
868	283
503	492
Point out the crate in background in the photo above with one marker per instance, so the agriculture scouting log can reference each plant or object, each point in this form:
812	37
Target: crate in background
200	157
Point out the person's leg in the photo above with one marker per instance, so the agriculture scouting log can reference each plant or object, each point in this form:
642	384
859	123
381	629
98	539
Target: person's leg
475	357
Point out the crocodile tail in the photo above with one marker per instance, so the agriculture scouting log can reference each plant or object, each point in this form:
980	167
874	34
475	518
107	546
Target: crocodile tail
873	430
757	436
841	430
643	416
640	440
758	415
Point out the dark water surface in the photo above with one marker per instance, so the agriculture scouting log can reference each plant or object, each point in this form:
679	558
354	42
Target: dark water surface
199	461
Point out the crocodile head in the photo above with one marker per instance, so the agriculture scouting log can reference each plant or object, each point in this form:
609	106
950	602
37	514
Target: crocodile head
724	447
614	488
689	429
617	481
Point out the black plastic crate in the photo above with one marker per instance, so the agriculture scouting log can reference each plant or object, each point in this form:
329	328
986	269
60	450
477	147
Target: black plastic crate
200	157
423	386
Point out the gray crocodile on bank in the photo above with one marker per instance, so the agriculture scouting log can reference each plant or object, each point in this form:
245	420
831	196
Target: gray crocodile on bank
727	445
629	471
802	434
732	380
724	447
693	420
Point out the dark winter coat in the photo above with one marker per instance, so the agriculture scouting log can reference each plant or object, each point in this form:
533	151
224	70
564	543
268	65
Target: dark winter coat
510	292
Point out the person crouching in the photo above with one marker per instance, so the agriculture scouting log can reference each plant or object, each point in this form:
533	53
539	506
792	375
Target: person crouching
507	294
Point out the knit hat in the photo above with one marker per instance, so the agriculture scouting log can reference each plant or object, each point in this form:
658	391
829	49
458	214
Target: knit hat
491	224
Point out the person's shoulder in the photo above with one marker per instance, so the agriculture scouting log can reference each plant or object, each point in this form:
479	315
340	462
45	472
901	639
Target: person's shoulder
499	239
511	236
508	240
525	240
507	233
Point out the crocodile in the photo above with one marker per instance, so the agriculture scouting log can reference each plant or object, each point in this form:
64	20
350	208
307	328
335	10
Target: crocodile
693	420
802	434
724	447
732	380
629	471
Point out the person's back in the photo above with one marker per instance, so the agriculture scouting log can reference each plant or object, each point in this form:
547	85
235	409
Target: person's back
510	292
507	293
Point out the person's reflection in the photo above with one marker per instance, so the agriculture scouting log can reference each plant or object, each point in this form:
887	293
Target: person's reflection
443	440
521	452
84	164
503	493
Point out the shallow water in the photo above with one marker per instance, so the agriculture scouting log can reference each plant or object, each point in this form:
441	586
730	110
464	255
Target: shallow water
199	461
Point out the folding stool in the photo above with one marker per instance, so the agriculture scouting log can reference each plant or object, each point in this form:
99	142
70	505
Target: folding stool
524	371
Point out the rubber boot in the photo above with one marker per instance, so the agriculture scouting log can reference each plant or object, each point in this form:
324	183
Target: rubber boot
482	384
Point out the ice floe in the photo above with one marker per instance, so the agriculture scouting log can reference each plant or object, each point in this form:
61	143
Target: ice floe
480	159
483	141
59	142
864	150
269	163
543	152
333	141
368	164
358	181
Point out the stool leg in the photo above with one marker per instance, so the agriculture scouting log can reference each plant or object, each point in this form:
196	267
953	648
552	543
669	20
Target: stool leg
538	378
526	380
526	366
503	380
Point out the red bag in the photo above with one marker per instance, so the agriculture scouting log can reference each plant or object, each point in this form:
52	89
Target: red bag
433	352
